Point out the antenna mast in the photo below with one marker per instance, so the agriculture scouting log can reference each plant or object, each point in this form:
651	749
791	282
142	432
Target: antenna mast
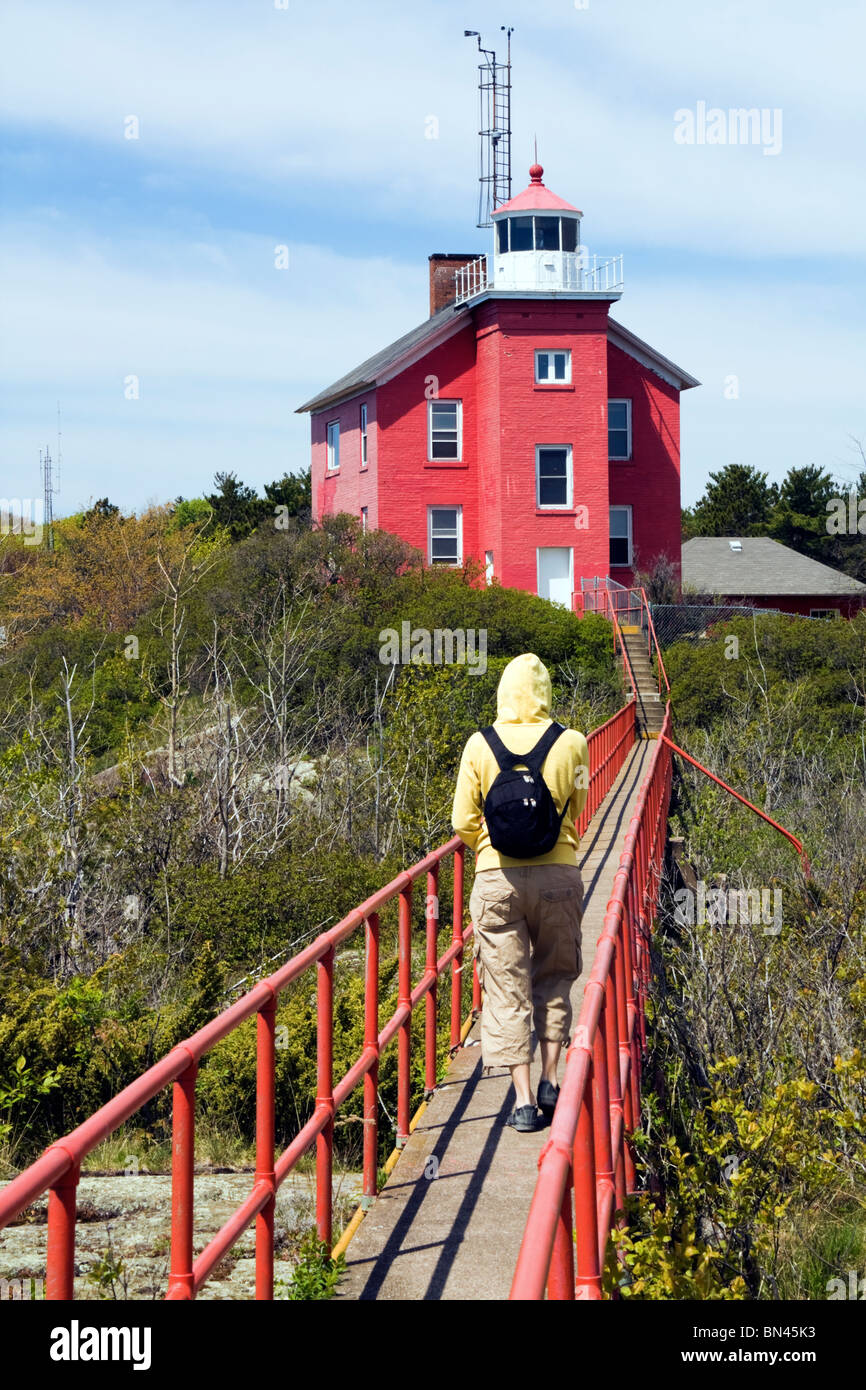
494	99
49	488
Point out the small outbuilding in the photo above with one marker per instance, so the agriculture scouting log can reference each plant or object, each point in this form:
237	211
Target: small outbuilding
763	573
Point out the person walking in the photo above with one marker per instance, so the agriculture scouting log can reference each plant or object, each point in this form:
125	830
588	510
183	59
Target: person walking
521	787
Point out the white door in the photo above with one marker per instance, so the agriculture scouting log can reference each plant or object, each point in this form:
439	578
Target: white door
554	573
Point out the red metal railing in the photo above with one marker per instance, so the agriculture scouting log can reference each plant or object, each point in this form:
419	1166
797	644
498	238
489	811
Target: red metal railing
653	643
58	1169
608	747
588	1152
614	602
798	844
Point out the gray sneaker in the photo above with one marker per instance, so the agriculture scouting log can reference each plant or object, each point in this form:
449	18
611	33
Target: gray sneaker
548	1095
524	1118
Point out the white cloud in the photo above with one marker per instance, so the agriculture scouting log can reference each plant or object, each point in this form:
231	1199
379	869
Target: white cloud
737	263
335	96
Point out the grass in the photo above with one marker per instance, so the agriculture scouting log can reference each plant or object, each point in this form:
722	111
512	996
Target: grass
827	1244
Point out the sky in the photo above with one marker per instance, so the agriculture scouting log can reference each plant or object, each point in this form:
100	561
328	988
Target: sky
154	157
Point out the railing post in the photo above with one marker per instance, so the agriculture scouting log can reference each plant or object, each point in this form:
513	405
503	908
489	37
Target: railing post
325	1096
180	1279
371	1043
265	1085
632	1005
588	1279
60	1254
404	1001
457	939
560	1277
625	1060
430	1002
613	1086
604	1159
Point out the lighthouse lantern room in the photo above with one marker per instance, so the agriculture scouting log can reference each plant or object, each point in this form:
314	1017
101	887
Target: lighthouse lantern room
537	240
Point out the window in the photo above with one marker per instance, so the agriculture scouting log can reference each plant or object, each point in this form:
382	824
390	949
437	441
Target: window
363	436
547	233
445	535
552	367
363	520
620	536
536	233
334	445
444	430
823	613
553	474
619	429
521	233
488	566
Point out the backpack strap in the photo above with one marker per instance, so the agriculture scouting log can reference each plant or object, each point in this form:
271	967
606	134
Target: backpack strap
505	759
534	759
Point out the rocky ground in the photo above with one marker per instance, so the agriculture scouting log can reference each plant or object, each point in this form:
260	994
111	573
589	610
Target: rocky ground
124	1225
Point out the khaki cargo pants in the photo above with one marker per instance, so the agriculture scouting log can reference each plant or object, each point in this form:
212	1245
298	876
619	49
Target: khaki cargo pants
527	944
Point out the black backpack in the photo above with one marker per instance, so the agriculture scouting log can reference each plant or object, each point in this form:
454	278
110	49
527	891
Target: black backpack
521	815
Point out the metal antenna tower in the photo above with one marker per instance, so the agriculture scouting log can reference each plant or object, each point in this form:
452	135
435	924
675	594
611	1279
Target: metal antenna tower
49	488
494	100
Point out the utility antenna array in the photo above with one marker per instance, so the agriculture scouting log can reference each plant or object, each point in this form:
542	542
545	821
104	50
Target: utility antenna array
50	485
494	98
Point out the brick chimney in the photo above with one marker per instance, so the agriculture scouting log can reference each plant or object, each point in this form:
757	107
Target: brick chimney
443	290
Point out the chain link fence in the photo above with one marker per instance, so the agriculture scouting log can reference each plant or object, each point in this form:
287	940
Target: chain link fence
694	622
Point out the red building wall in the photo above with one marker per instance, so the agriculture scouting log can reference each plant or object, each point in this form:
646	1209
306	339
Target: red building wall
349	487
650	480
489	364
848	607
409	482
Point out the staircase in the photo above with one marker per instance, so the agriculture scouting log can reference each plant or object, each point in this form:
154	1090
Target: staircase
650	706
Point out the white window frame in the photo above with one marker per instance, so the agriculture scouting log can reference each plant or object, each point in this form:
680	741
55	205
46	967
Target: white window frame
552	380
333	446
363	521
363	423
626	401
441	507
622	507
569	480
823	612
444	400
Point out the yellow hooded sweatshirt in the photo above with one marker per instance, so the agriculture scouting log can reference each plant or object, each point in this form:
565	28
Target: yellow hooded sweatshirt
522	715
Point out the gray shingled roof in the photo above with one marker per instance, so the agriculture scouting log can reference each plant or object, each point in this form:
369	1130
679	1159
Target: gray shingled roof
365	376
762	567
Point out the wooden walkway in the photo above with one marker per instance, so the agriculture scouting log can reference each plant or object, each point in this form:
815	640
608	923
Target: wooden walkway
449	1222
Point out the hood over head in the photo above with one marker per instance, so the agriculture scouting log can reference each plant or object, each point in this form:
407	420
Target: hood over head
524	693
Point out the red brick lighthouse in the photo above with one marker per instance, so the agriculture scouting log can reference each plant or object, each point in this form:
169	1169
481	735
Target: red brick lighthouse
519	425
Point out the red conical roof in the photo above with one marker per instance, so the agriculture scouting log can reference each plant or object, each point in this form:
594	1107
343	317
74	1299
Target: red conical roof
536	198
